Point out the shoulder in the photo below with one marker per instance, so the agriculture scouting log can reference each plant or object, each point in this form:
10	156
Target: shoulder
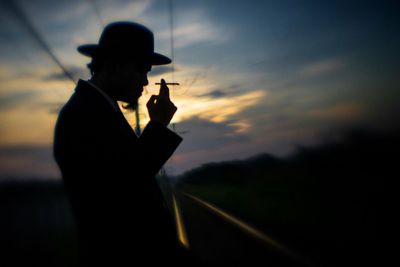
85	113
86	103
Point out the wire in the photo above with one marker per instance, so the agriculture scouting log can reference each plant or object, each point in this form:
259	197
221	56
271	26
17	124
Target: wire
96	12
19	13
171	24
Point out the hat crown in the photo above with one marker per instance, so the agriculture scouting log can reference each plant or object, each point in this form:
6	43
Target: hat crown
127	38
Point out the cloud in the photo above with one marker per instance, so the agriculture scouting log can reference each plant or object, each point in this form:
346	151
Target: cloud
203	141
322	67
341	111
214	94
16	98
195	26
226	91
194	33
205	135
160	70
123	9
28	123
217	109
60	76
27	161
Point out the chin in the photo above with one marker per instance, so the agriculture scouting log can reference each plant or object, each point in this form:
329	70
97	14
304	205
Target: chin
131	103
130	106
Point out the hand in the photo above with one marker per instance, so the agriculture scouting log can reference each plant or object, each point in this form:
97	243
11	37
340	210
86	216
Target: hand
160	107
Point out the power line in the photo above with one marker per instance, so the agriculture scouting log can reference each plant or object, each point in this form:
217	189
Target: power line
96	12
171	24
22	17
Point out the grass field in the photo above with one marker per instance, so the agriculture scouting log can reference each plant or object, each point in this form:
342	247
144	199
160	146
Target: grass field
328	202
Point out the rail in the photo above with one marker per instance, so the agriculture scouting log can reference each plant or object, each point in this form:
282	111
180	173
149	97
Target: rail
231	219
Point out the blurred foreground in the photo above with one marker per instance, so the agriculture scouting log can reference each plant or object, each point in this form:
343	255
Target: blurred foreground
331	204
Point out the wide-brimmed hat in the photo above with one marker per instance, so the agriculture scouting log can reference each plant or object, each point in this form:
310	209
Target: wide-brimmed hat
126	41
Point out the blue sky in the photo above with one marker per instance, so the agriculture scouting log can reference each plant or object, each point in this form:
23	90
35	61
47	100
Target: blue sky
256	76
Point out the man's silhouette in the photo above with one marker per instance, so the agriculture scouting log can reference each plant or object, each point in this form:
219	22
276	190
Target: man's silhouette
108	171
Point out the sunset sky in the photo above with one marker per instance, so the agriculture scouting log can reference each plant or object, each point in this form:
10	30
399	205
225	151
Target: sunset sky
256	76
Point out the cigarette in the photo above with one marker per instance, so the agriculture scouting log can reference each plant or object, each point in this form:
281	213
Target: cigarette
168	83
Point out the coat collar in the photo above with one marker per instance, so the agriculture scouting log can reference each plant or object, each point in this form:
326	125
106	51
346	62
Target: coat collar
87	88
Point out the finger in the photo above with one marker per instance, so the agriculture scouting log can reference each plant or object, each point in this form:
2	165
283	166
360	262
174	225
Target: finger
151	101
164	90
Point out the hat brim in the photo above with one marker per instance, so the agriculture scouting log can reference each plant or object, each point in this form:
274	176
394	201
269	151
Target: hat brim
92	50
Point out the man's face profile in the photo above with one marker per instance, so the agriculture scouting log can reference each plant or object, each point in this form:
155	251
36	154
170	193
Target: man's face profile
128	80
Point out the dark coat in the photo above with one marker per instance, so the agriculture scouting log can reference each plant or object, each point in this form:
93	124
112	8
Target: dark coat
109	174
